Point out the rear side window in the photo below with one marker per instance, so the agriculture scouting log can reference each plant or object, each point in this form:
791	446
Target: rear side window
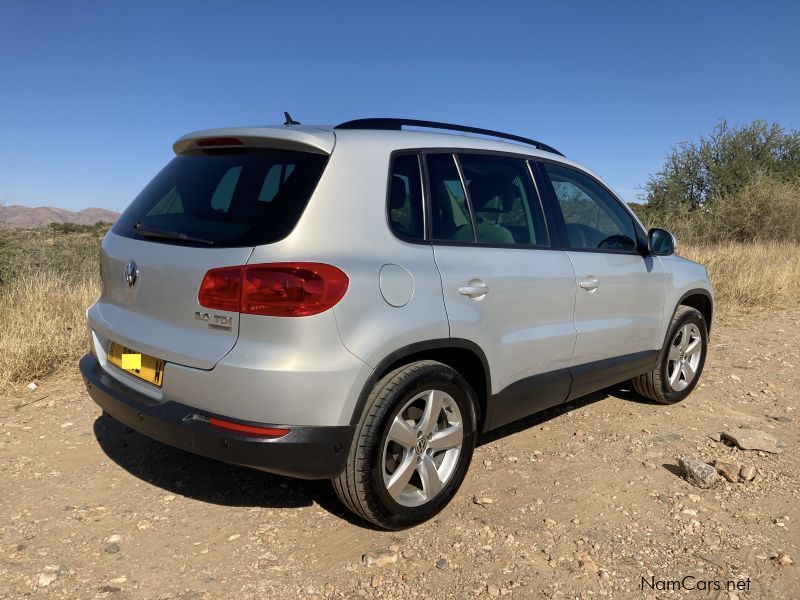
505	203
450	215
405	197
248	198
593	218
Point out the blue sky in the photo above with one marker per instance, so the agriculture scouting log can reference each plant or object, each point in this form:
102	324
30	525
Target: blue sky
93	94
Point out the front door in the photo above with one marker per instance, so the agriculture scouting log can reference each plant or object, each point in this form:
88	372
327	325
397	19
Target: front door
619	293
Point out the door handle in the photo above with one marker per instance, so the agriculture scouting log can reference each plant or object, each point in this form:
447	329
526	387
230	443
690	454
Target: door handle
589	285
474	290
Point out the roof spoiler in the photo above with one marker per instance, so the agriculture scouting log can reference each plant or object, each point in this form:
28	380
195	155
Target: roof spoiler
304	139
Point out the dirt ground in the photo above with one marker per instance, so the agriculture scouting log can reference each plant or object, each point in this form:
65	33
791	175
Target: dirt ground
577	502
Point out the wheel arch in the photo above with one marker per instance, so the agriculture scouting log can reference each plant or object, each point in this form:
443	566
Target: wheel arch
699	299
464	356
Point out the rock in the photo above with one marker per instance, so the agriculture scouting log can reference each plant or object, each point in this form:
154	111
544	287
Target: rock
780	418
32	386
588	565
482	500
729	471
442	564
113	538
112	548
698	473
747	473
46	579
109	589
783	559
754	439
234	537
665	438
379	558
493	590
549	523
604	575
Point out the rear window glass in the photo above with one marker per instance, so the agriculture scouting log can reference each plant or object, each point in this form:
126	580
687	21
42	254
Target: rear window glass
247	198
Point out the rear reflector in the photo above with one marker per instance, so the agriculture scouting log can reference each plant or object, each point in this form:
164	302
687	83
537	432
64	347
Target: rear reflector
249	429
274	289
220	141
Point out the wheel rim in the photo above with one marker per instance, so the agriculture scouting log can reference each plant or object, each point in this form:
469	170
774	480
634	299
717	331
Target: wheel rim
422	448
683	359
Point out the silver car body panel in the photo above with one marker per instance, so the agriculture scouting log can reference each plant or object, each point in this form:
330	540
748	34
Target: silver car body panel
619	304
157	315
524	322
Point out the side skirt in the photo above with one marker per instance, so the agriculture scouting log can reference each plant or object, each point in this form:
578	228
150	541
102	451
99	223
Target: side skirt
600	374
539	392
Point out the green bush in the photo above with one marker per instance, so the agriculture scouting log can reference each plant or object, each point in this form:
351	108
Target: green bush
739	184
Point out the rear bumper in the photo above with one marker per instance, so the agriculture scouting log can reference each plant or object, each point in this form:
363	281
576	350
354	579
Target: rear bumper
305	452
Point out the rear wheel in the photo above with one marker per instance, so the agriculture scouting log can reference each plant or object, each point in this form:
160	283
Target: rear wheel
412	448
681	361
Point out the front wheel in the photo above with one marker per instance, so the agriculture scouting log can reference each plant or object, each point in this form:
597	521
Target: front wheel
412	448
681	361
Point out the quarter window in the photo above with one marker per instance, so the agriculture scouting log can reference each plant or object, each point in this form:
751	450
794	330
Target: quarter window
593	218
405	197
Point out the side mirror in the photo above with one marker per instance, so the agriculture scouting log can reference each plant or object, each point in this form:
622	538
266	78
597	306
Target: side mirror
661	242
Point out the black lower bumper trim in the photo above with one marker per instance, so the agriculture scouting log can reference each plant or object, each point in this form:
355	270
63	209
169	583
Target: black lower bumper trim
305	452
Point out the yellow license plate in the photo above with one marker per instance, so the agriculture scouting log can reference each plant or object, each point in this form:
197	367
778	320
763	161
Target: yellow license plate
149	368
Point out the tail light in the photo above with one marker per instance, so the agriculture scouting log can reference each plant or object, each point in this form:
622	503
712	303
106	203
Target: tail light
274	289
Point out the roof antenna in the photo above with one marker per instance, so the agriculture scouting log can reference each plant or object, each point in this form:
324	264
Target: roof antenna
289	120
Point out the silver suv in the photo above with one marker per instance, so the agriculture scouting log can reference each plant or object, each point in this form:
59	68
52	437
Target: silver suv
358	302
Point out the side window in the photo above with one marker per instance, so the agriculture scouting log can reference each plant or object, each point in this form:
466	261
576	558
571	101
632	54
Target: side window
504	200
594	219
405	197
450	218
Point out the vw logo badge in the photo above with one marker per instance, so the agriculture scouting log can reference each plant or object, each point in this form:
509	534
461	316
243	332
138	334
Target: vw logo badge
131	274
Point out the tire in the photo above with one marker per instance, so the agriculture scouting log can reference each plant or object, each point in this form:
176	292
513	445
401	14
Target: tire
681	360
391	474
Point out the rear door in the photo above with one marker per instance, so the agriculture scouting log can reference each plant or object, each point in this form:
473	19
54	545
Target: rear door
619	292
504	286
205	210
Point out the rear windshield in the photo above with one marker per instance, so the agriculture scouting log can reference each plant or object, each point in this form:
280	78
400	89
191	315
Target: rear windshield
247	198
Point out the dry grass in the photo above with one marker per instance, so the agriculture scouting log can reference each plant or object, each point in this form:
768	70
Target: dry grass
750	276
42	306
41	326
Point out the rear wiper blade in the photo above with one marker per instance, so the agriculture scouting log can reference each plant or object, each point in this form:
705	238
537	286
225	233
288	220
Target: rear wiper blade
169	235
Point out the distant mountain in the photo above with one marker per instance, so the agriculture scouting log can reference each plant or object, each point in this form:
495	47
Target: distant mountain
25	217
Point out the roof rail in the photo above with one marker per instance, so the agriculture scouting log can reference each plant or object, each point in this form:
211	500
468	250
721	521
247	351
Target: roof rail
397	124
